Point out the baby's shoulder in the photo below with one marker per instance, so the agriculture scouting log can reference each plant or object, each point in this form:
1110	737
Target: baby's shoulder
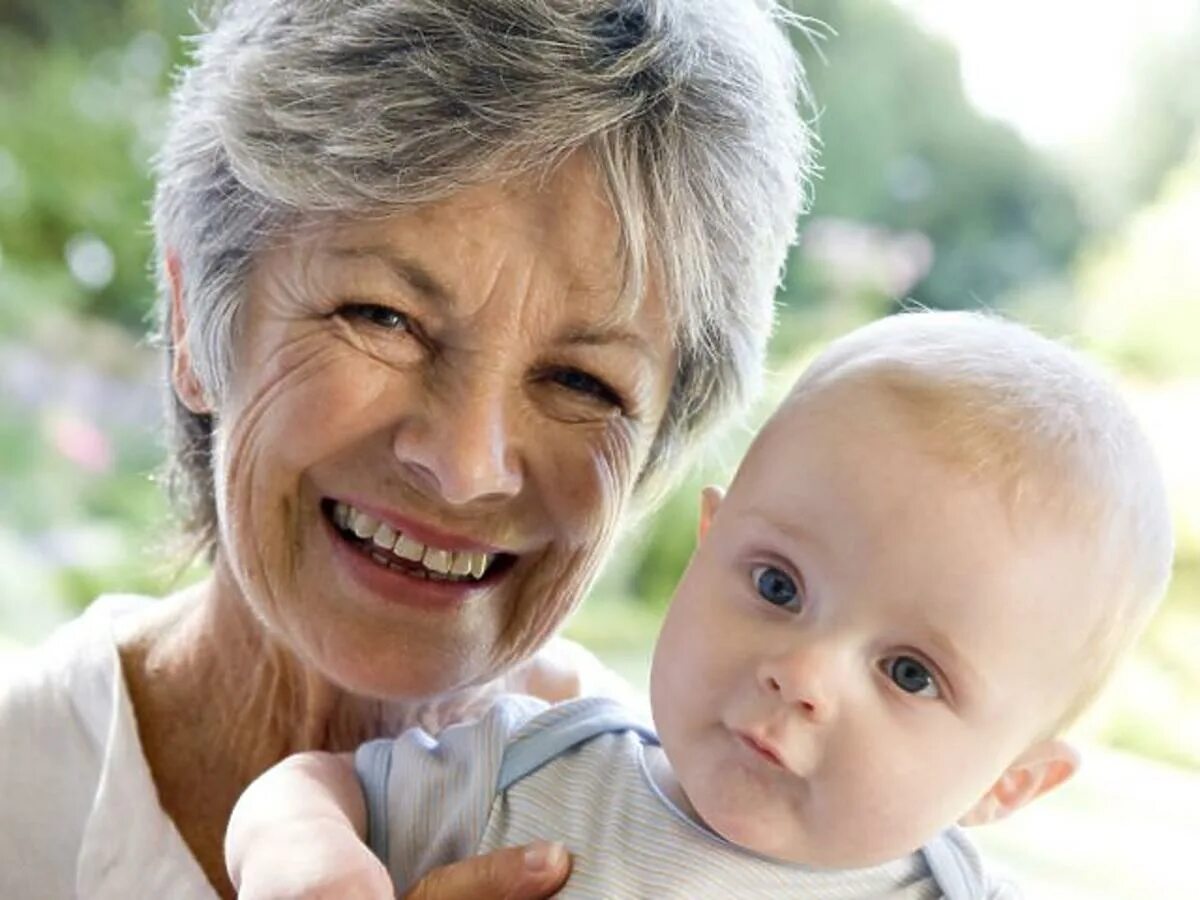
959	870
575	722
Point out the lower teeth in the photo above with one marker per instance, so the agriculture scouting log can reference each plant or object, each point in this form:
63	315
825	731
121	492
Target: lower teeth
415	570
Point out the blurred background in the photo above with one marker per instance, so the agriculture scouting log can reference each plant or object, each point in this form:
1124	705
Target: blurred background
1039	158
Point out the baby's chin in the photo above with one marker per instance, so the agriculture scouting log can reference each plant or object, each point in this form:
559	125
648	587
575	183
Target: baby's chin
777	835
770	833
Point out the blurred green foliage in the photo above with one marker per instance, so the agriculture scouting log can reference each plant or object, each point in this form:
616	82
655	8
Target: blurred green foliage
1152	131
91	24
903	149
82	90
1138	288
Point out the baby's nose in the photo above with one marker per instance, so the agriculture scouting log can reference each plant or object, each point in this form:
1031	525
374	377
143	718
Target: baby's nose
805	679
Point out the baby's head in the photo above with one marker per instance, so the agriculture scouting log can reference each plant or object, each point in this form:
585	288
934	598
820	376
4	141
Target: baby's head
928	561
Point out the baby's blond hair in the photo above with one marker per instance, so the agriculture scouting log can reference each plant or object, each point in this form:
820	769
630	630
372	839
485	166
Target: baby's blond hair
1006	405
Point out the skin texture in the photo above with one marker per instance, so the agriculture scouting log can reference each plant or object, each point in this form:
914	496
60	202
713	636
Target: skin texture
464	365
306	813
299	831
893	556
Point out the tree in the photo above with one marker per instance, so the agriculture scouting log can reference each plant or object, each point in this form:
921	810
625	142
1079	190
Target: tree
904	149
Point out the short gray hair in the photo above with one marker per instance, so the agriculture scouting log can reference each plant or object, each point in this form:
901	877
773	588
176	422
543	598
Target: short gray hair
293	108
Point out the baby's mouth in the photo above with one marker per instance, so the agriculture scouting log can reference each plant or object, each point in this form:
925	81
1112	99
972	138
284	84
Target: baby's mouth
399	552
762	749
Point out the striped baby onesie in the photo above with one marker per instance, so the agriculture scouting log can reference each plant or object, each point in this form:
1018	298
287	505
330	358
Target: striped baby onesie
577	773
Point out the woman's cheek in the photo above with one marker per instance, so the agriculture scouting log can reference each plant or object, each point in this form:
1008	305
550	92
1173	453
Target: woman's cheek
264	446
600	478
584	493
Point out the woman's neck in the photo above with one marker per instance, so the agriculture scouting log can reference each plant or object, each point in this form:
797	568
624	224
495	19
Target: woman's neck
218	701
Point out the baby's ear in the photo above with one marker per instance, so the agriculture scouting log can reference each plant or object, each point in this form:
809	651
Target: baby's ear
1041	768
710	499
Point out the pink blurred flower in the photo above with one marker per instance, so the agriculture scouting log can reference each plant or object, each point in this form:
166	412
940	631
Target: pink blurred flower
80	441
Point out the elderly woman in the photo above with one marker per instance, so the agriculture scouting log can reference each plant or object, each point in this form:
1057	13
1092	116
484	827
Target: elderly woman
445	285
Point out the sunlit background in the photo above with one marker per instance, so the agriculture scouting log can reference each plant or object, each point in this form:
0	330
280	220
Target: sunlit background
1040	158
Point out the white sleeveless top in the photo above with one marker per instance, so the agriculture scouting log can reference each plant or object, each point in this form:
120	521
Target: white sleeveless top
79	813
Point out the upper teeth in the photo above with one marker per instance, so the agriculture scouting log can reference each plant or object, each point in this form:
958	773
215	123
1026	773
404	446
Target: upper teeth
435	559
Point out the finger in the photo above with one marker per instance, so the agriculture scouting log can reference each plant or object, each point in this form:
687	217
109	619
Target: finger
515	873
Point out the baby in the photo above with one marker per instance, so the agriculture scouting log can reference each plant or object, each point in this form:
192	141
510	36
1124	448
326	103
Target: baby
927	563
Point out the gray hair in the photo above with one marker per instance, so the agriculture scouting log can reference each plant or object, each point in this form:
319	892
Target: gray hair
295	108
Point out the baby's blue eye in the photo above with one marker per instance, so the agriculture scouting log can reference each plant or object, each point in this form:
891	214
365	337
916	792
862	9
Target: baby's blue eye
911	676
775	586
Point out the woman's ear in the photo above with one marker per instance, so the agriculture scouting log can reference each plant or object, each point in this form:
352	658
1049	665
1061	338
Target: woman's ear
1041	768
710	499
183	375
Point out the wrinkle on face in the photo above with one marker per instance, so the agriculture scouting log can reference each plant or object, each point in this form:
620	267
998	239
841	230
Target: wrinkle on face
299	359
561	588
330	402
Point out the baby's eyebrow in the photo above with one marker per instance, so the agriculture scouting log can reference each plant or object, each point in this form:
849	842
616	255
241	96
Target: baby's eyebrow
795	533
966	675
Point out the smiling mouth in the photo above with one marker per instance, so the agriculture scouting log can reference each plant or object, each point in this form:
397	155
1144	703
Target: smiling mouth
398	552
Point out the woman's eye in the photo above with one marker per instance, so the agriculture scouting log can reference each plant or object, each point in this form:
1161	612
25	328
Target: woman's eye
376	314
582	383
911	676
776	586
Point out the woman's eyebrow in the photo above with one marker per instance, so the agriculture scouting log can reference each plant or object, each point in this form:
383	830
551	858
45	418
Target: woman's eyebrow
402	268
423	281
604	336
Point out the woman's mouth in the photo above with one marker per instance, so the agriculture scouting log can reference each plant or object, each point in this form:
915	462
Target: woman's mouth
399	552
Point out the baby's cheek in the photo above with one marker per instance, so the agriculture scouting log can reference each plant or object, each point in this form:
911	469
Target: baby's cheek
912	793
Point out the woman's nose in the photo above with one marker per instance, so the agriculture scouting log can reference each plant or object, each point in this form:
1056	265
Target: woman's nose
809	679
462	450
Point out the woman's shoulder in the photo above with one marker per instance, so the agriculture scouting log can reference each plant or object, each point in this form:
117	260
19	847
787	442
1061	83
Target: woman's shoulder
57	705
74	774
75	666
57	699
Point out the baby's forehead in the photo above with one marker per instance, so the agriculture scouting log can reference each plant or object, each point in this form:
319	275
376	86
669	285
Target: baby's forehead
846	463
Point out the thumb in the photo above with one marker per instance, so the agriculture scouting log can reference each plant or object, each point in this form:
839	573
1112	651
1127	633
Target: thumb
515	873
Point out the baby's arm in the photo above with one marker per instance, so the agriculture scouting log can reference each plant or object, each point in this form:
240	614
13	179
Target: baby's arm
298	831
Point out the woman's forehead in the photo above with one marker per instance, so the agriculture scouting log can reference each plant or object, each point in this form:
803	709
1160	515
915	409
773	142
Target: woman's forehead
553	240
564	216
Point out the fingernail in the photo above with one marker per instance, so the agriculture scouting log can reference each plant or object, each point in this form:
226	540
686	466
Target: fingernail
543	856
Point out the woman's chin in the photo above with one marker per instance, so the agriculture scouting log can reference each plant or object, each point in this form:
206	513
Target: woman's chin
396	672
390	652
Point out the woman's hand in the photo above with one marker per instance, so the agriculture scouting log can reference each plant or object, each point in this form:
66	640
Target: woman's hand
515	873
